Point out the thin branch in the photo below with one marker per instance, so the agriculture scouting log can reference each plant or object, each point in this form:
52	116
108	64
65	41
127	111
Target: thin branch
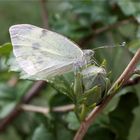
113	26
101	30
46	110
121	80
33	108
34	91
44	13
64	108
132	82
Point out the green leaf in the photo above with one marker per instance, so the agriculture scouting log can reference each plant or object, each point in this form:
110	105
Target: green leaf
122	117
92	96
10	133
5	110
130	7
63	83
134	133
127	6
5	49
72	121
42	133
125	32
63	133
7	92
60	99
134	45
100	133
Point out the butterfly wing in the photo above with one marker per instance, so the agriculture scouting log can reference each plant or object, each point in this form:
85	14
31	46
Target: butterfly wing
48	74
37	50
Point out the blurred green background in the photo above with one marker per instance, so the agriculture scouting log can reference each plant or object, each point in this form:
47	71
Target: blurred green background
92	24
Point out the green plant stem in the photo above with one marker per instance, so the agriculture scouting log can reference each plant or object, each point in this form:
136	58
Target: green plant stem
127	73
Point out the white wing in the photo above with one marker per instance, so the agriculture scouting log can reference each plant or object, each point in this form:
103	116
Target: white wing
38	50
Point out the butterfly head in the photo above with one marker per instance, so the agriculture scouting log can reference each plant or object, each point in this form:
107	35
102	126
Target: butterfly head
88	56
88	52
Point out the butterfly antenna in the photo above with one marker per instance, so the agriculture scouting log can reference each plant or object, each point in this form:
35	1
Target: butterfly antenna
123	44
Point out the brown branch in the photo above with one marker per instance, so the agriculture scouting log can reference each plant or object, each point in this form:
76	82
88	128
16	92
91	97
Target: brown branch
46	110
44	13
101	30
121	80
34	91
113	26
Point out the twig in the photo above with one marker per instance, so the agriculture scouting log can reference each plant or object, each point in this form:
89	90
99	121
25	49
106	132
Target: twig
46	110
132	82
99	31
64	108
44	13
34	91
113	26
33	108
121	80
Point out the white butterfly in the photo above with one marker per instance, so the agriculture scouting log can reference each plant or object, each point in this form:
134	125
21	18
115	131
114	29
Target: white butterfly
44	54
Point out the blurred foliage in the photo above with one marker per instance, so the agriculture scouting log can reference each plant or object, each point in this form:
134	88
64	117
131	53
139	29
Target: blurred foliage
78	20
